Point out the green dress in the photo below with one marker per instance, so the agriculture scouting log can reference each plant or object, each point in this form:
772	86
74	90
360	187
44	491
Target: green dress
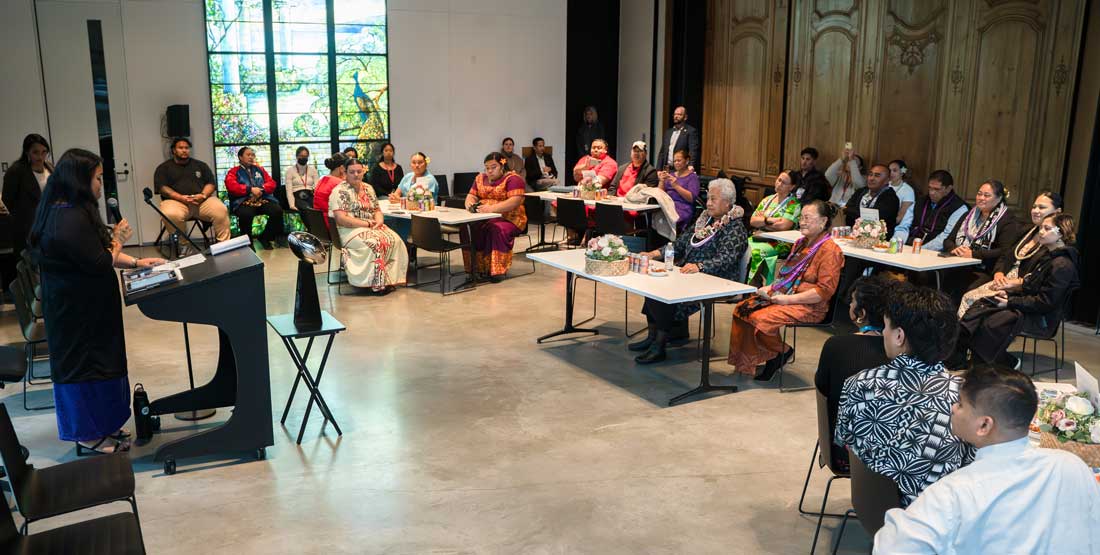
767	252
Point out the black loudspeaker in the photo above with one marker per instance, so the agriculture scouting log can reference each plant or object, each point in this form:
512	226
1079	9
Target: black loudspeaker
179	120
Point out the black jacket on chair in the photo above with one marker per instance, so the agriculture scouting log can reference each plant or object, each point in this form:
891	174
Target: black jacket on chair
21	194
688	140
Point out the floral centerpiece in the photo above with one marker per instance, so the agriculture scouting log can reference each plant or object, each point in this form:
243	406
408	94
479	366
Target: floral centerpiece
606	256
1069	422
590	189
868	233
420	197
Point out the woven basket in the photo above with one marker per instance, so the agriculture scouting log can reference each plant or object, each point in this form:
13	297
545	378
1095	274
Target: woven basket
865	241
588	195
596	267
1090	453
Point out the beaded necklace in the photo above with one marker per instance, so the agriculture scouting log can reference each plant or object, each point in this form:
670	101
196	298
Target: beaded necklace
779	208
791	276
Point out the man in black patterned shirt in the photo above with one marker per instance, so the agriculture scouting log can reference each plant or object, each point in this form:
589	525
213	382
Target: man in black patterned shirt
897	418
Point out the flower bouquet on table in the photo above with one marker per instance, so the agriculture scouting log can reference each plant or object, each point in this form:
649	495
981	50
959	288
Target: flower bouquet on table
867	233
1069	422
606	256
590	188
420	198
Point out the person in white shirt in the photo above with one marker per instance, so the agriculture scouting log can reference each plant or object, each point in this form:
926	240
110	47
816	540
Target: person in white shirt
845	176
907	197
1014	497
300	176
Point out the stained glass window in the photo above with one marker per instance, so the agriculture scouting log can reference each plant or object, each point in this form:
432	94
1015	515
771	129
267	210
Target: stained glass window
290	73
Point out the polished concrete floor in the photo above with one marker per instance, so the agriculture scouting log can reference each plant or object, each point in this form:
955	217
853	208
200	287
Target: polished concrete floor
462	435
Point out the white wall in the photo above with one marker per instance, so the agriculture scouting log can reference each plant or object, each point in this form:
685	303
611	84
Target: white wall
465	74
165	47
22	104
635	75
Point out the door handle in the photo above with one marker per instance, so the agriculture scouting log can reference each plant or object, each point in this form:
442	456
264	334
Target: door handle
123	172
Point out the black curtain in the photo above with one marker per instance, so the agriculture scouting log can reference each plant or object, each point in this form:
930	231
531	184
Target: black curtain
686	79
591	71
1086	304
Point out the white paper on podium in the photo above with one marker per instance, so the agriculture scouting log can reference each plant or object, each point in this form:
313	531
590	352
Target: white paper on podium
1087	383
197	258
868	214
234	243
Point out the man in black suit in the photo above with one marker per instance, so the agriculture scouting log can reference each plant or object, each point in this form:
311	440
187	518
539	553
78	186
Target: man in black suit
680	136
541	171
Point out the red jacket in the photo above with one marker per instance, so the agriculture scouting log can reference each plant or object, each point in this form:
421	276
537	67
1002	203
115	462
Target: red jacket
240	179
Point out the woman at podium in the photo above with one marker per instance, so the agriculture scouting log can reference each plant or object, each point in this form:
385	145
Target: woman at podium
76	255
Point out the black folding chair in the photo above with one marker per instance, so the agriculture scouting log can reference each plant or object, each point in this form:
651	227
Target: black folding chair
428	236
34	334
1059	353
826	323
463	182
442	191
66	487
872	496
118	534
571	216
824	456
537	214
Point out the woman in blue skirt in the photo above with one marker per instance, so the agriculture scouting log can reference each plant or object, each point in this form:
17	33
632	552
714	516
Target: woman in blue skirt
77	256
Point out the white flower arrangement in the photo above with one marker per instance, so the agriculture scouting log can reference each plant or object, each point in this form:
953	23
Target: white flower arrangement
867	233
609	248
1071	418
419	192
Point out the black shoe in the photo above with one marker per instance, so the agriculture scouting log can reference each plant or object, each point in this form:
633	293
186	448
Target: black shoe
282	243
645	343
267	245
656	352
773	366
496	279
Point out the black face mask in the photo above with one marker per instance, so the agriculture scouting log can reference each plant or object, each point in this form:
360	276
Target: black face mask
303	161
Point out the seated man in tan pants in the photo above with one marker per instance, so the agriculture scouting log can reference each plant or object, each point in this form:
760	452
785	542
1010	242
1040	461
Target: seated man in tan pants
187	191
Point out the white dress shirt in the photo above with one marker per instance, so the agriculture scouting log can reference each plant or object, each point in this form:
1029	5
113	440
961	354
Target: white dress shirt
672	143
905	194
1013	499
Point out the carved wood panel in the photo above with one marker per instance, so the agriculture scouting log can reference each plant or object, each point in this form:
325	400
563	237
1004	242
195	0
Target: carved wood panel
981	88
743	89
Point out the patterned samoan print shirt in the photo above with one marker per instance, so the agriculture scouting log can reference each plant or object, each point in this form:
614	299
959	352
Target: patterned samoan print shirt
897	419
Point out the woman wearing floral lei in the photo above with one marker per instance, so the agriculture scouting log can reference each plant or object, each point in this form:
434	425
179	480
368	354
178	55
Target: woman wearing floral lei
803	288
986	233
715	247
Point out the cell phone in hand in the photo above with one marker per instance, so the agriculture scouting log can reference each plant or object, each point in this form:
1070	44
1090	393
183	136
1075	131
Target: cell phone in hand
848	145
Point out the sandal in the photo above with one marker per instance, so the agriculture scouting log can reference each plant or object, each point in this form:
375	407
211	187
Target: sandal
100	449
120	435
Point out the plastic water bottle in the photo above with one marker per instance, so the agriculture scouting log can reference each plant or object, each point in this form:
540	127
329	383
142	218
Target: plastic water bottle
670	255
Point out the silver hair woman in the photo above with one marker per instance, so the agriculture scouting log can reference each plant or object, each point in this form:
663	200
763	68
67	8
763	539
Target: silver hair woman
714	246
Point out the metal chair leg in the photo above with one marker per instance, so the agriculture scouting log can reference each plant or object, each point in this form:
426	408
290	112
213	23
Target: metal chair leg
840	534
820	517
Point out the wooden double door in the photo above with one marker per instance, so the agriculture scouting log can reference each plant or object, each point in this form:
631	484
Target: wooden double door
982	88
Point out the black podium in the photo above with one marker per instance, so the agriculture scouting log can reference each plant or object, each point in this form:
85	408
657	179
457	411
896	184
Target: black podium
225	291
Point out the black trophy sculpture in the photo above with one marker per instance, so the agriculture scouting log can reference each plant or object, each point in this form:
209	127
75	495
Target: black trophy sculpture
310	252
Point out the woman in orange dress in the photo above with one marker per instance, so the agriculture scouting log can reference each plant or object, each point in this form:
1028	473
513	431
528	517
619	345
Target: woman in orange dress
803	288
501	191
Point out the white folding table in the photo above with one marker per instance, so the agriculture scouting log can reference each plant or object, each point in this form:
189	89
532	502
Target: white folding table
924	261
675	288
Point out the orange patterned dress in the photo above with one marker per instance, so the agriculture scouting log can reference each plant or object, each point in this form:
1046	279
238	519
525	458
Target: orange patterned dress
755	339
493	239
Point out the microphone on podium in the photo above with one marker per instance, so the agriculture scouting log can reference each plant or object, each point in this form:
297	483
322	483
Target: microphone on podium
113	211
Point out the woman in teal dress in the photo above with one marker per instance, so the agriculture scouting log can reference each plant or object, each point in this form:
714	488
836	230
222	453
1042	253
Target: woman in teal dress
419	165
778	212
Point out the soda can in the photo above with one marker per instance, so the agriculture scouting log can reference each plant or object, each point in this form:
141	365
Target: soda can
917	244
835	233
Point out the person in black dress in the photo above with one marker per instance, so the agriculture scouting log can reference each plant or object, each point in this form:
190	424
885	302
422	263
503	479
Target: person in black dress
1034	303
843	356
386	174
23	184
77	256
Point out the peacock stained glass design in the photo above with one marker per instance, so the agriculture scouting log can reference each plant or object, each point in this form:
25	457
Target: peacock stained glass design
300	109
